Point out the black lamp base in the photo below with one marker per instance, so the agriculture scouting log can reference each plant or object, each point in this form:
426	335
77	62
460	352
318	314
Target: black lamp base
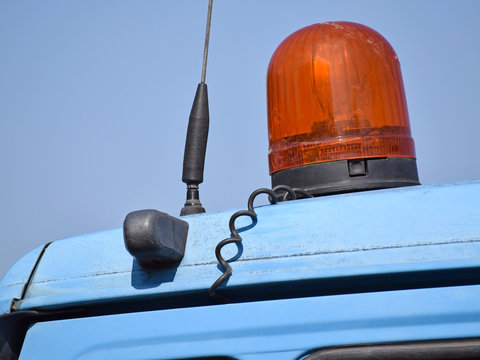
350	175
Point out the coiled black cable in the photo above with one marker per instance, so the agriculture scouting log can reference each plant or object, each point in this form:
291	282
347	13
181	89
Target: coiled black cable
286	193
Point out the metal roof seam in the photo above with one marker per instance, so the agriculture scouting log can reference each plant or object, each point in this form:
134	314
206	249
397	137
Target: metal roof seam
30	278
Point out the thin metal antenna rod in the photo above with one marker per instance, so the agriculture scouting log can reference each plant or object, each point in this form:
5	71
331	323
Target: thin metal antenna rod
207	38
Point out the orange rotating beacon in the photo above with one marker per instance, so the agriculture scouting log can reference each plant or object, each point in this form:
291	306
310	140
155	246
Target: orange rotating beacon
337	113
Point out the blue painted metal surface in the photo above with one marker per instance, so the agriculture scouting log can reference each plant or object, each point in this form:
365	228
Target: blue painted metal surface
14	281
377	232
280	330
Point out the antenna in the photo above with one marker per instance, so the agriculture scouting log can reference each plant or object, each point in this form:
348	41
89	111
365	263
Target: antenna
197	134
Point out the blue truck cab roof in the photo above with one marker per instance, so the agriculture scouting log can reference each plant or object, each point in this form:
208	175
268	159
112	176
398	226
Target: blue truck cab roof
374	237
397	269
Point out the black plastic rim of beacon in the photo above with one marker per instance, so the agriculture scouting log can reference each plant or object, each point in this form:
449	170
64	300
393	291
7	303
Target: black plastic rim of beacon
350	175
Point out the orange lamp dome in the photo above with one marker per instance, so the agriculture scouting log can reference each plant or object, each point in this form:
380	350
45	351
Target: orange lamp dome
335	93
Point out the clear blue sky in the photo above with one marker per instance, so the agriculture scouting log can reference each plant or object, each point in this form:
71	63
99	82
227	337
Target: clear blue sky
95	98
